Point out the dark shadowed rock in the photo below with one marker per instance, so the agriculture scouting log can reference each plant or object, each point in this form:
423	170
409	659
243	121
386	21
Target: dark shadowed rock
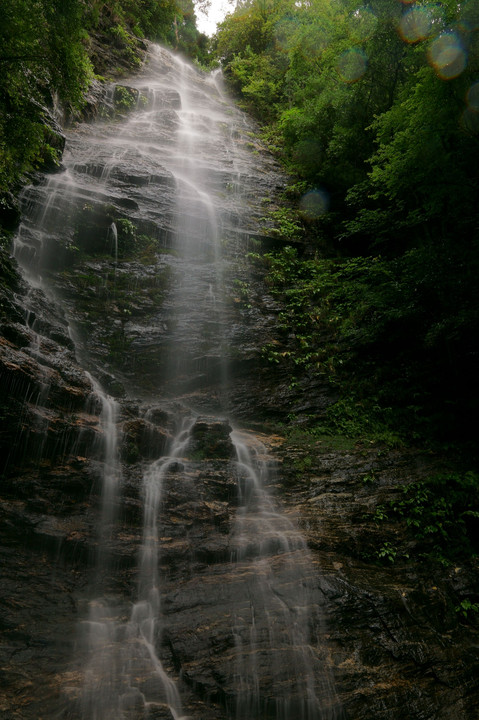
142	439
210	438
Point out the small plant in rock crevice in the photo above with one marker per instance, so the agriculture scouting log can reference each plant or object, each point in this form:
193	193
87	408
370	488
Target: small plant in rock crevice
125	98
441	513
467	609
390	552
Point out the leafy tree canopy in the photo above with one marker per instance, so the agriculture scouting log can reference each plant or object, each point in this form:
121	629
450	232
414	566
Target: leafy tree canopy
374	106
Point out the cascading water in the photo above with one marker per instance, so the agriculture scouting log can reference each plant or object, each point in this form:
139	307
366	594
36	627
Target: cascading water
124	676
113	232
177	176
97	632
145	621
271	551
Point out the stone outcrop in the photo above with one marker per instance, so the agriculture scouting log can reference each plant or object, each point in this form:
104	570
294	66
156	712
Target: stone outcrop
406	606
392	639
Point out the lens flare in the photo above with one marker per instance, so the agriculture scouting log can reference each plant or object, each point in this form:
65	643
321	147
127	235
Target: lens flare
284	32
362	24
314	204
352	65
472	97
469	15
307	40
447	56
470	121
416	24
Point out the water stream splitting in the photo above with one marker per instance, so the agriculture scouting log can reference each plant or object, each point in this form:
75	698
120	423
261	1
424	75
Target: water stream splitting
175	164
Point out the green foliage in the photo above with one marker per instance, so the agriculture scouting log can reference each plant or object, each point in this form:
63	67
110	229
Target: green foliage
466	608
359	104
131	243
358	321
309	289
364	418
124	98
183	34
9	278
442	513
125	41
150	18
42	51
311	442
320	71
423	169
390	552
286	224
242	292
369	478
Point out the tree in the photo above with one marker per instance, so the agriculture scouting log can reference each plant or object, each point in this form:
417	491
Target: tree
42	51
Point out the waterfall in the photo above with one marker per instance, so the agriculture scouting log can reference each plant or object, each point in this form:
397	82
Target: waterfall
271	552
202	599
113	233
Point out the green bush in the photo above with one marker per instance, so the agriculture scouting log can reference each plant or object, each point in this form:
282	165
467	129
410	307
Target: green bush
442	513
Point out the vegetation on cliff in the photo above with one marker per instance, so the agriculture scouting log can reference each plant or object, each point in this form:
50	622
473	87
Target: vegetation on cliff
50	52
374	108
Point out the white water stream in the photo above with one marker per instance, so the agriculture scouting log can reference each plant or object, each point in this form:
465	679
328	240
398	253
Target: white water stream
180	142
124	676
274	556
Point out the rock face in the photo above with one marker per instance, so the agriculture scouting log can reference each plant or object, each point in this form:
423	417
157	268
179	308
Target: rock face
157	562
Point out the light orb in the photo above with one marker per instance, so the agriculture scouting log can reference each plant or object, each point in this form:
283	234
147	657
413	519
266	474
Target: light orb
447	55
472	97
314	204
352	65
362	23
469	15
416	24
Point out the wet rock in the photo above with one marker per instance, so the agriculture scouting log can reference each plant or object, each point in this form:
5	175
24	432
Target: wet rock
94	99
165	98
142	439
9	211
211	439
110	57
158	416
